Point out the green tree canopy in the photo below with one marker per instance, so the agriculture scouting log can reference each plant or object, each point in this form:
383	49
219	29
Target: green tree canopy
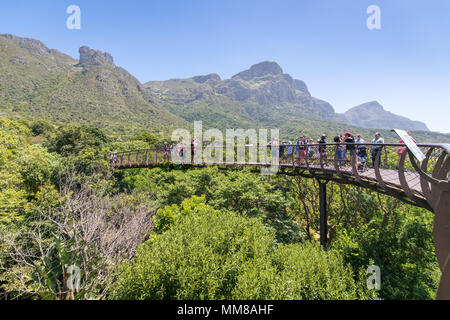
208	254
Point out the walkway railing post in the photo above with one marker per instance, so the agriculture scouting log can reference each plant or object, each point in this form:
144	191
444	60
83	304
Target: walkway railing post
323	213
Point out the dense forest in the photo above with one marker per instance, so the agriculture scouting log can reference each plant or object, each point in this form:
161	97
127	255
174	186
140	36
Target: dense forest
190	233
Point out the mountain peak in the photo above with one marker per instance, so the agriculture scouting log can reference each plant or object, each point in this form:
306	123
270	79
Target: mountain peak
93	57
373	115
372	106
259	70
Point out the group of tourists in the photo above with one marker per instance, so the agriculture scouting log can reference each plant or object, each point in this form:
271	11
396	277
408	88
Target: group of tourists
302	150
179	151
305	149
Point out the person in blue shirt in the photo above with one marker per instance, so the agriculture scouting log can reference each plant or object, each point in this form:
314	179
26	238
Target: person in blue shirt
339	150
290	150
377	149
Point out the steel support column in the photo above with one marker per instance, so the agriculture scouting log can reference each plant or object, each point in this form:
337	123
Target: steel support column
323	213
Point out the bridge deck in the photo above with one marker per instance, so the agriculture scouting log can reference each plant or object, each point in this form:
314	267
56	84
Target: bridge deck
393	175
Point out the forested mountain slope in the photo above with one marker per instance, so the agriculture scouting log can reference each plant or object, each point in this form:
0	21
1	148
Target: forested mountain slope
37	82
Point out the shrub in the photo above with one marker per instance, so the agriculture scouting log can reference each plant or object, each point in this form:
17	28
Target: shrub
207	254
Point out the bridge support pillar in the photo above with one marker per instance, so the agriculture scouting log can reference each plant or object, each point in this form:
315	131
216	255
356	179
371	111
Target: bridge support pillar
323	213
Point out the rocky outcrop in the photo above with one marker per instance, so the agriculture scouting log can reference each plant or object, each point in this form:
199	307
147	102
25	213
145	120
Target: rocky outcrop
94	58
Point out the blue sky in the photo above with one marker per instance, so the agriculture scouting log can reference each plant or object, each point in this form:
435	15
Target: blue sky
405	65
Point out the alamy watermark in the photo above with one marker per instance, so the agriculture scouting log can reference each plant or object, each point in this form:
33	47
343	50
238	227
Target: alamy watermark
74	280
374	280
73	22
374	20
238	147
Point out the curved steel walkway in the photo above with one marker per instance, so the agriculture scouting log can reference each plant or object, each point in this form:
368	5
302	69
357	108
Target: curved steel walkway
391	170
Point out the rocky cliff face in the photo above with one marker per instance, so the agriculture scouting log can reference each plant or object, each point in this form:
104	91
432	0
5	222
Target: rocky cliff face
266	84
263	92
94	58
266	94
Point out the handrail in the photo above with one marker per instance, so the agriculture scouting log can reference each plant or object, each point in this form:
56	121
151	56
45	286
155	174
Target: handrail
426	145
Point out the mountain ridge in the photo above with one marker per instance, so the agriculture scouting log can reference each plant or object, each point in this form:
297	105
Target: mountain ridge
264	88
38	82
373	115
41	83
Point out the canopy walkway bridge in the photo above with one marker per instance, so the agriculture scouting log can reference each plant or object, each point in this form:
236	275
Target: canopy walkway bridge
389	169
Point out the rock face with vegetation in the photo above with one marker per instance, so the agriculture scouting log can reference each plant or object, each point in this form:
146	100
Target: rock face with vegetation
265	96
373	115
262	94
95	58
41	83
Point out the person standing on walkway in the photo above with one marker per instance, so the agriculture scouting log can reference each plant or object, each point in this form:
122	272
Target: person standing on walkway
297	149
323	148
275	151
339	150
289	151
193	149
283	151
172	152
349	146
303	146
311	149
166	151
377	149
359	140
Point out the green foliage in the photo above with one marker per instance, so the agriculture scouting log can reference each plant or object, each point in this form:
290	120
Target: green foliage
24	170
152	140
403	250
168	216
208	254
36	166
41	127
241	191
71	140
